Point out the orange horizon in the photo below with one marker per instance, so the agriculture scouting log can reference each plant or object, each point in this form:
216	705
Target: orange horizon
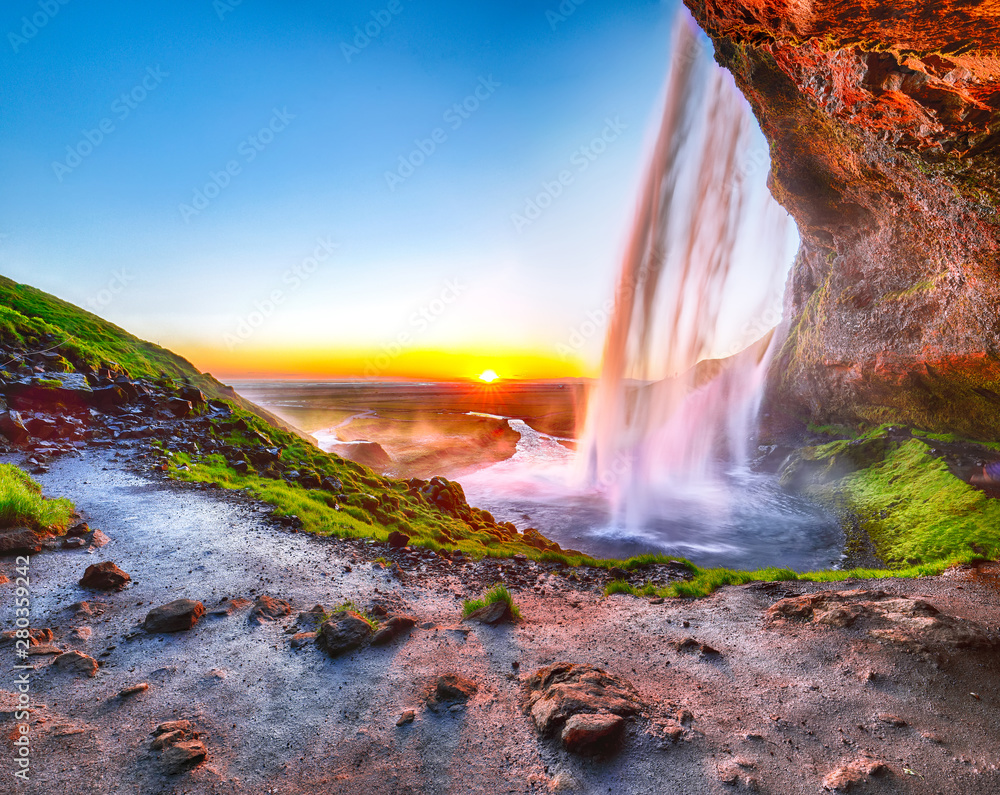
379	365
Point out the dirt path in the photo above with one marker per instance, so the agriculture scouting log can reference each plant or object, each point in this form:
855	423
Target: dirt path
776	710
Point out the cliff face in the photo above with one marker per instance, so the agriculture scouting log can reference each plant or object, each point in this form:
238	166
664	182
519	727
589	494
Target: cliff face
884	123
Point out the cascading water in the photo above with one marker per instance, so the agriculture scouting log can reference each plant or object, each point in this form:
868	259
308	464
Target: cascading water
661	418
662	460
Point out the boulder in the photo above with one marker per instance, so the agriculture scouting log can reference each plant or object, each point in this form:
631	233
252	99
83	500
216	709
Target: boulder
556	693
76	662
591	733
104	576
392	628
175	616
344	631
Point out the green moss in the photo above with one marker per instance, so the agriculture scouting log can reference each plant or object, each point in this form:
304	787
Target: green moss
22	503
706	581
927	285
498	593
914	509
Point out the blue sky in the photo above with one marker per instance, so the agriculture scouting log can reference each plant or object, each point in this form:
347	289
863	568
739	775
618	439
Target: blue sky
117	117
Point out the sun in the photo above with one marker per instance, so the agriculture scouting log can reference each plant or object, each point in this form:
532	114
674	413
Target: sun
488	376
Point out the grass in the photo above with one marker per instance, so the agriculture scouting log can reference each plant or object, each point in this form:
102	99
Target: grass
707	581
22	503
498	593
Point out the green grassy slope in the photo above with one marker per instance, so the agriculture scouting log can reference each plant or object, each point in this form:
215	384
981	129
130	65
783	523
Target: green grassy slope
36	321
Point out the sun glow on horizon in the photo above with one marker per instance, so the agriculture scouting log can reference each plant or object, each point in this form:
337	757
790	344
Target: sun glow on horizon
488	376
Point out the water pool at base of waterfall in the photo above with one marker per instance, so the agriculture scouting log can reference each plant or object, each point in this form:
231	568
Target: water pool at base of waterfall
737	519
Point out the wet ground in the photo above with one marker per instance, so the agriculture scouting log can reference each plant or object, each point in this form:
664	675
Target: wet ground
775	711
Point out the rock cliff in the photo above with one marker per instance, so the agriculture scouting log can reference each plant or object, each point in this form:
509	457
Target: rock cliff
884	130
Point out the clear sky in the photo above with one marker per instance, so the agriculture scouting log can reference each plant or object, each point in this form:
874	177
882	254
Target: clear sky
317	188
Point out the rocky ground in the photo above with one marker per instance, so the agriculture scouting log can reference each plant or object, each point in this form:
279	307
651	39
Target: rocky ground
210	648
752	688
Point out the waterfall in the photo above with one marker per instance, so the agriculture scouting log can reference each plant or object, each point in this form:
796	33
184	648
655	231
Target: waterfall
672	410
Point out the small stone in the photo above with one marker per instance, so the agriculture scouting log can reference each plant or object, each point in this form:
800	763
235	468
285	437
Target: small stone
99	539
408	716
43	649
81	633
21	541
172	726
301	639
890	720
452	687
343	632
183	756
493	613
268	609
855	772
167	739
398	540
588	733
76	662
393	628
175	616
36	637
134	690
73	543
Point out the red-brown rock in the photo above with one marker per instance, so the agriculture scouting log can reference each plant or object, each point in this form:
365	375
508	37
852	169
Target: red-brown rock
175	616
104	576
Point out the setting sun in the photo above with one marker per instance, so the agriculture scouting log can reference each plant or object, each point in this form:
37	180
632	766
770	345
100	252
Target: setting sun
489	376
